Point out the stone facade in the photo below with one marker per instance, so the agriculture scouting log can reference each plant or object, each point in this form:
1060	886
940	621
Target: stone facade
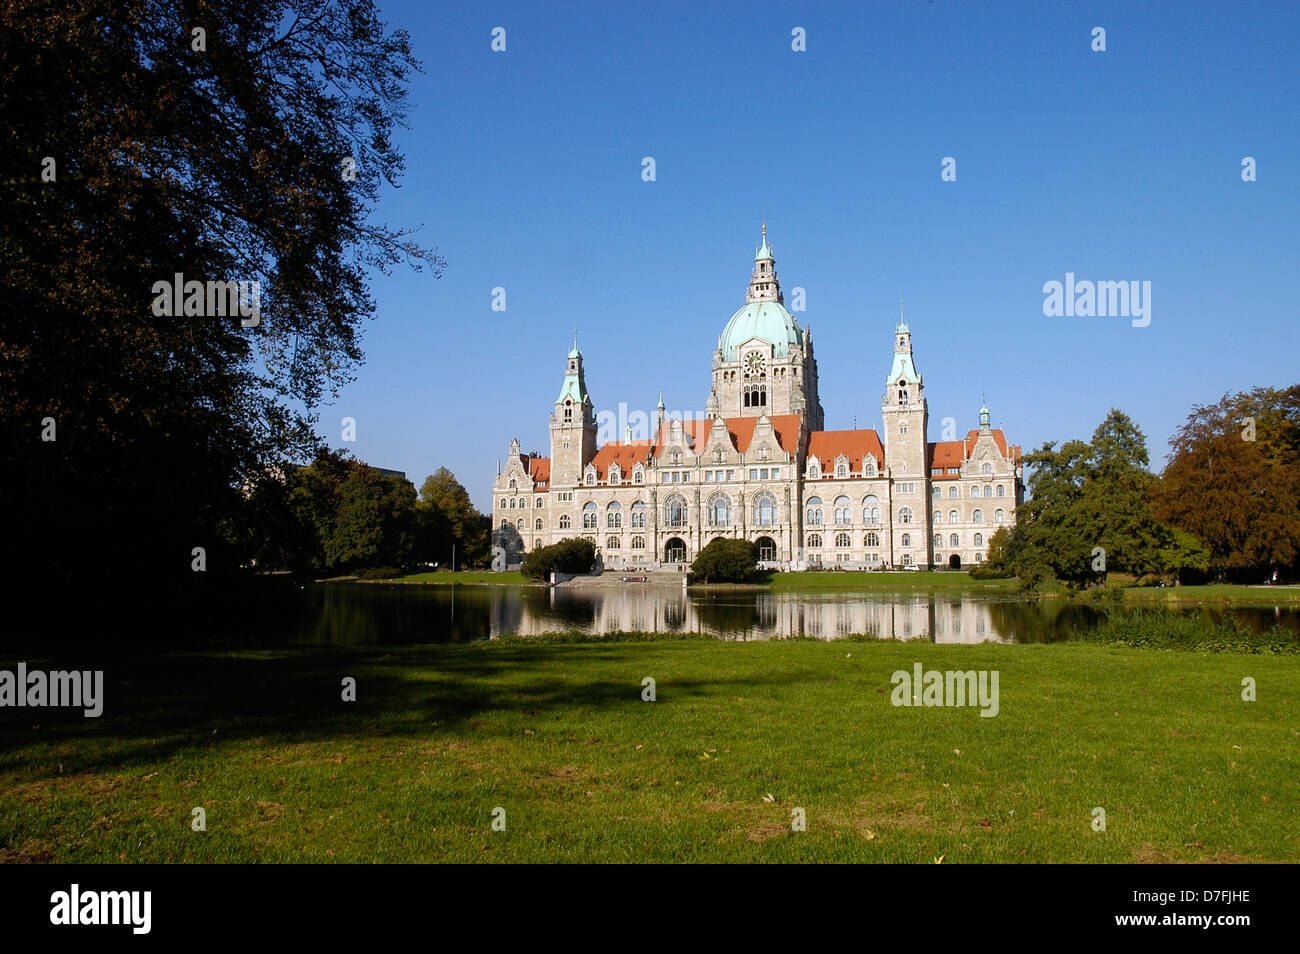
759	466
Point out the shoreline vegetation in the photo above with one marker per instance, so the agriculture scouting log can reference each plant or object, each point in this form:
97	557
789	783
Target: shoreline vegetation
1123	589
555	732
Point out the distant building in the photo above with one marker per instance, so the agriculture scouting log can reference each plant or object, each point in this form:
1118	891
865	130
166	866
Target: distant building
761	467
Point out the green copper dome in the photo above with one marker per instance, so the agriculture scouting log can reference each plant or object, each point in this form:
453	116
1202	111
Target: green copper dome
760	319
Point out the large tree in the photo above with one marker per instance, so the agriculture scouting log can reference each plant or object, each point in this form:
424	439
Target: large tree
223	140
1233	481
449	520
1089	509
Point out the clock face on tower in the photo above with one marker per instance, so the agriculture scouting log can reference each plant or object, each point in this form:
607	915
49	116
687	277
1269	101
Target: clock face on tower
754	362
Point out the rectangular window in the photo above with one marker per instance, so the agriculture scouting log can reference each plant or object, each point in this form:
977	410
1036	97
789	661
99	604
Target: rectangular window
708	476
686	477
731	475
763	473
753	473
676	477
776	473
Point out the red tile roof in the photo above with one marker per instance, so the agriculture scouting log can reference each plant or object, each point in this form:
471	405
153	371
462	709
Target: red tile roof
626	455
855	445
539	468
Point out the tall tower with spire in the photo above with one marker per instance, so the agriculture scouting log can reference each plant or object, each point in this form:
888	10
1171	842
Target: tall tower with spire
905	419
573	424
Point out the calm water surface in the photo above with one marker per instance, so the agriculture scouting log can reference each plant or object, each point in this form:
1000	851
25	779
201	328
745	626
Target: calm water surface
351	614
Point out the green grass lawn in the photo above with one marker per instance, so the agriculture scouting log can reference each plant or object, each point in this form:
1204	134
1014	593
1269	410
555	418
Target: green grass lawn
446	578
1214	593
849	581
557	735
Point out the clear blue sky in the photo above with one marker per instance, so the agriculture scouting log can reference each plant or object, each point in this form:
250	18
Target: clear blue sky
524	169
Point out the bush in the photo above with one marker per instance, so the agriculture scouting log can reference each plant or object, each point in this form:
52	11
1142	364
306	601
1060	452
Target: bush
726	560
575	555
380	573
983	572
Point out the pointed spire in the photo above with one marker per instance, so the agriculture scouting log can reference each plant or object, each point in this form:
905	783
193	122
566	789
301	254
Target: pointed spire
984	413
661	399
575	353
902	324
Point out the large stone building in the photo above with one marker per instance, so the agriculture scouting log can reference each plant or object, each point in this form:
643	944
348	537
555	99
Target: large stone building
759	465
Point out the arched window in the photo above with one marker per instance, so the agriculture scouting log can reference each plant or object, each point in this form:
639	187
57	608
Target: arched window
503	503
871	467
843	510
841	470
905	515
719	510
590	478
814	541
986	469
977	517
988	490
613	516
842	541
979	539
514	485
615	476
539	503
997	515
636	477
938	516
589	516
520	526
638	543
638	515
764	510
568	410
505	524
1002	491
564	522
872	540
974	492
954	540
938	540
675	511
814	514
952	516
952	493
907	539
537	524
611	543
871	509
512	503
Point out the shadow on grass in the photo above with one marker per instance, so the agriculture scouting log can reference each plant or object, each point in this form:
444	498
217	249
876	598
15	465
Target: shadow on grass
158	705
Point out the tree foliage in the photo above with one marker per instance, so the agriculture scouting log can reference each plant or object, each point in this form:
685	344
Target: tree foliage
572	555
726	560
1089	507
220	157
448	518
1233	481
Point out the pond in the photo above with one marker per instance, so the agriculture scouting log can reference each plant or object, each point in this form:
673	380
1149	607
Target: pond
367	614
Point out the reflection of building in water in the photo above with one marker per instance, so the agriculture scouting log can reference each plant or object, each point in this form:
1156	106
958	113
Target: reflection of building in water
746	615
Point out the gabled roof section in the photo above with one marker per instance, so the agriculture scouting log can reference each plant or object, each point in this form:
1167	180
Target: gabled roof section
626	455
855	445
741	431
946	454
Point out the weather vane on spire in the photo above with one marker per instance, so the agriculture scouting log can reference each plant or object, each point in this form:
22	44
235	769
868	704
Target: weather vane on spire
900	307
